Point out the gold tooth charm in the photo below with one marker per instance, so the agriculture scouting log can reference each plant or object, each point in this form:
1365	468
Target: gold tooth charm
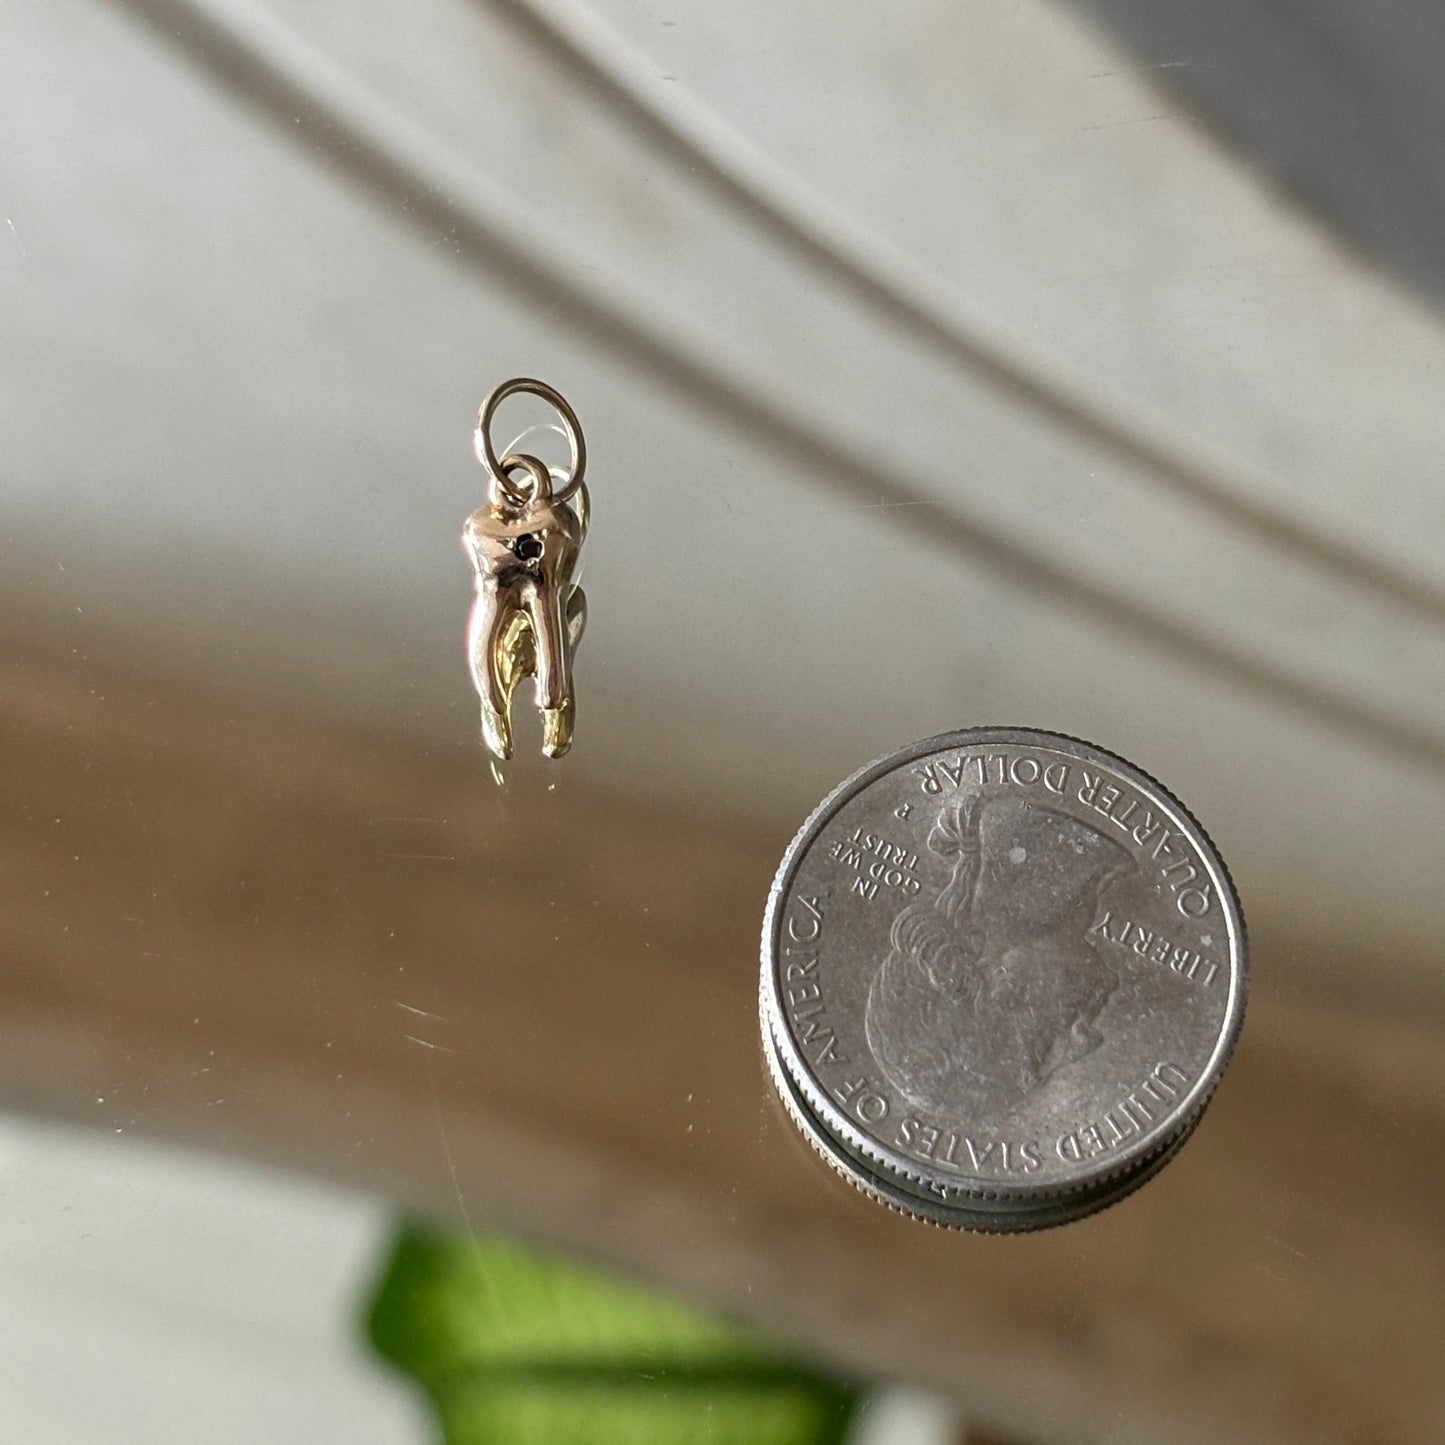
524	543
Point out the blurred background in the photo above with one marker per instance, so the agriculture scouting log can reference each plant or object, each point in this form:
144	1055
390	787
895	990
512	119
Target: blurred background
1076	366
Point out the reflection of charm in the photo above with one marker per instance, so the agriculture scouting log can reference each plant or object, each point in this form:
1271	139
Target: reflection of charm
528	615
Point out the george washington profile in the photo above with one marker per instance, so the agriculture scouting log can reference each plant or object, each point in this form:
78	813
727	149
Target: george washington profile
993	985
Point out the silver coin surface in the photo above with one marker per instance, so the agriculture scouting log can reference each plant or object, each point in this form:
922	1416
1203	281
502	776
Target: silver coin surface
1003	971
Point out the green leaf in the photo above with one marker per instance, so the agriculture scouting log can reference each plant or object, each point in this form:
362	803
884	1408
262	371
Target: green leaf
515	1346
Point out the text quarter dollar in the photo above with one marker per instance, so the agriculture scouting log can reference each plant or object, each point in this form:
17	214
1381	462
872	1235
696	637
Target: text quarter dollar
1002	968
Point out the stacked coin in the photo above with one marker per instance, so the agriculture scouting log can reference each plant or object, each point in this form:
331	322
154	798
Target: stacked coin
1002	973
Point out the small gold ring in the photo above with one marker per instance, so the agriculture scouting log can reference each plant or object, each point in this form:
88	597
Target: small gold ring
539	479
500	470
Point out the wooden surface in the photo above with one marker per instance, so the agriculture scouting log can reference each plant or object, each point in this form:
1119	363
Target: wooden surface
534	1007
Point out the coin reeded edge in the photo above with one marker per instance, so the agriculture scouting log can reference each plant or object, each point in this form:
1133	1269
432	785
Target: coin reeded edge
841	1129
893	1194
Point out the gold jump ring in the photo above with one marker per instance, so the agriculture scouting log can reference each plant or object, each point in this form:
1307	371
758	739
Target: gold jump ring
500	469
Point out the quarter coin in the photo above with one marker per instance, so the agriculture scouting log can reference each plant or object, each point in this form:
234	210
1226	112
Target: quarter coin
1002	973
